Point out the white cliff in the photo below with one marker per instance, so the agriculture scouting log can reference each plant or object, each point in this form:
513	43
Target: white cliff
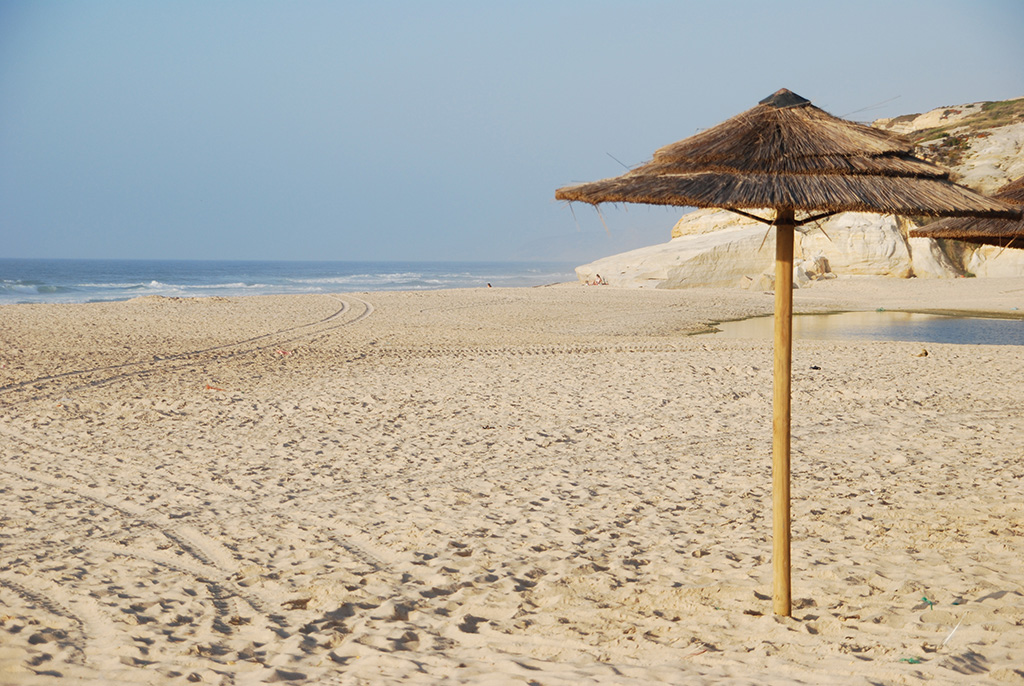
741	250
992	160
719	258
861	244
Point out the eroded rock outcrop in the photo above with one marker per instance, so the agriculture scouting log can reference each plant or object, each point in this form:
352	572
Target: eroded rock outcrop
741	252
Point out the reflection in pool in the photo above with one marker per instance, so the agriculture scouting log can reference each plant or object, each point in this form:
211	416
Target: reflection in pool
886	326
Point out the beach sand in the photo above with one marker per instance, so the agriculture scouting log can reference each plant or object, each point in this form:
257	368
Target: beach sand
554	485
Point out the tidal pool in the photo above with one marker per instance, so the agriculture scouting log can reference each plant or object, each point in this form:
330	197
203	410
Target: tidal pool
885	326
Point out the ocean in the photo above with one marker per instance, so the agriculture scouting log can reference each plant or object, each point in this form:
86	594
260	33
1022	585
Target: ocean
82	281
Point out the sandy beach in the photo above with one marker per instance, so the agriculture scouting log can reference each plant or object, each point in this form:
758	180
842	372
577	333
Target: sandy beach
555	485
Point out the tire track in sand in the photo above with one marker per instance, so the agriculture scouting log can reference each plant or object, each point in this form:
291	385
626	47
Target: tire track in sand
130	370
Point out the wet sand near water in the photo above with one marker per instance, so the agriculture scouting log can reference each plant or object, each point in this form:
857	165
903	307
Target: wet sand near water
550	485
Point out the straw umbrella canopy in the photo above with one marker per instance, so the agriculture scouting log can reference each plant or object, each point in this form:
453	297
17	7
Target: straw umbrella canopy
1005	233
788	156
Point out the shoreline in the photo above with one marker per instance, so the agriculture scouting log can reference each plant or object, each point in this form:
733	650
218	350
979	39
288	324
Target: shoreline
967	297
557	484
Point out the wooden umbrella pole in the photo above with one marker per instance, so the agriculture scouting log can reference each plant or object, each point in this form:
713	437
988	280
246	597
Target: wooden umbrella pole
784	230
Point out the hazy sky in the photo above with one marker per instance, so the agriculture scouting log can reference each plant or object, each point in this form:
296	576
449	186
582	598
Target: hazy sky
387	130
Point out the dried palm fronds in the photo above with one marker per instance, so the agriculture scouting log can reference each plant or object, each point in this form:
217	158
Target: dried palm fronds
1006	233
787	153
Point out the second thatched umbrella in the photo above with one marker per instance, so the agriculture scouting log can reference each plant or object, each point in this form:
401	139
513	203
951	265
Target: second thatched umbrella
788	156
1006	233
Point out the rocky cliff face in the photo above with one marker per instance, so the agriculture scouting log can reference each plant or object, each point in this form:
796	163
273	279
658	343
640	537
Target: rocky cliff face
981	143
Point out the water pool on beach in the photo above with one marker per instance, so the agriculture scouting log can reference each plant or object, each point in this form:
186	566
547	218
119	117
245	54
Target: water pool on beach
885	326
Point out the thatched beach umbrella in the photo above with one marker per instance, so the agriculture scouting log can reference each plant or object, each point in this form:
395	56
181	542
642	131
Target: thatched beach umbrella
788	156
1006	233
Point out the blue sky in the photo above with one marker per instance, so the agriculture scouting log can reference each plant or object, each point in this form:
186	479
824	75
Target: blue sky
391	130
